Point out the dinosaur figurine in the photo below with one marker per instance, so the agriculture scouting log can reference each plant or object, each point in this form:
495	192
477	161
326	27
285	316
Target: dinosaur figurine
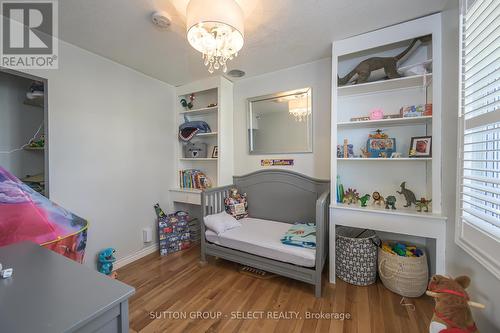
409	195
364	200
377	198
351	196
390	202
423	204
365	68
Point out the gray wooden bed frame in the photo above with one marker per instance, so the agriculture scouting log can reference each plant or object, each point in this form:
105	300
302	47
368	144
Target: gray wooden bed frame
277	195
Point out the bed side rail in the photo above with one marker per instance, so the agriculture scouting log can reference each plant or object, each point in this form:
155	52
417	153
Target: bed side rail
322	205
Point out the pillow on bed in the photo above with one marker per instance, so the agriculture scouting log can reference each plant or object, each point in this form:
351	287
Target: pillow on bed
221	222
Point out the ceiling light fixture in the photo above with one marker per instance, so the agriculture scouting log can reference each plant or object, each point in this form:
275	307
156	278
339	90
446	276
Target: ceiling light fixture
216	30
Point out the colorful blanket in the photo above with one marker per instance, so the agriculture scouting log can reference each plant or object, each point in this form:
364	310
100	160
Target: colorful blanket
26	215
302	234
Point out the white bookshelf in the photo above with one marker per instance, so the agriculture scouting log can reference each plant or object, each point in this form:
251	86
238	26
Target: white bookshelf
366	175
213	90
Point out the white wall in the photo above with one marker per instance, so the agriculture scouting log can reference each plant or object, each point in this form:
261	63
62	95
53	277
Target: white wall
18	123
316	75
110	147
484	287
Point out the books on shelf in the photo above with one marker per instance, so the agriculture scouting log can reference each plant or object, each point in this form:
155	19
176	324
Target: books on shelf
192	178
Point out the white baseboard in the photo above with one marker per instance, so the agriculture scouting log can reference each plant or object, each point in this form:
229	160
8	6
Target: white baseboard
135	256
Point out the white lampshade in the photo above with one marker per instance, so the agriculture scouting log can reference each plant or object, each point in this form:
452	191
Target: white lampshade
215	28
223	11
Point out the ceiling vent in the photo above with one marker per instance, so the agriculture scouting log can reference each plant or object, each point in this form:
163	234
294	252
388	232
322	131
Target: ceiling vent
161	20
236	73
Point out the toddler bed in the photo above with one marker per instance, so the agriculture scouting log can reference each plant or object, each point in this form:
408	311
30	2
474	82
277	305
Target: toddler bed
276	199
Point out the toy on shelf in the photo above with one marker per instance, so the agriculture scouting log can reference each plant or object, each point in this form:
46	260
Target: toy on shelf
348	150
377	198
365	153
376	114
105	261
396	155
390	202
186	104
351	196
340	191
409	195
416	110
379	145
364	200
452	311
37	143
423	204
412	153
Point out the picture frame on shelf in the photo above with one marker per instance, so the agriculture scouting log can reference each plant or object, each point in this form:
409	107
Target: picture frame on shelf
421	147
215	152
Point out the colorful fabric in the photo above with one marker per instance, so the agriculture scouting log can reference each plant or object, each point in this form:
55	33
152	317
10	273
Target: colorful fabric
26	215
237	206
303	235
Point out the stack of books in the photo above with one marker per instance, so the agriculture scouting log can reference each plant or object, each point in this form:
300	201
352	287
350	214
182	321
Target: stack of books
192	178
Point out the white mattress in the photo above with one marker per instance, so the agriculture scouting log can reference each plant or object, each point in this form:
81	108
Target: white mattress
262	238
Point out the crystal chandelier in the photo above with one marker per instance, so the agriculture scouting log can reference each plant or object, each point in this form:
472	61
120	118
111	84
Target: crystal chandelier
299	108
216	30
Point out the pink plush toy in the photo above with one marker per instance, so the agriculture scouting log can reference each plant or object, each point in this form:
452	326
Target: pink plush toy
376	114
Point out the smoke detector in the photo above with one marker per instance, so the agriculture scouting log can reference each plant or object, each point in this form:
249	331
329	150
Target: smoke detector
161	20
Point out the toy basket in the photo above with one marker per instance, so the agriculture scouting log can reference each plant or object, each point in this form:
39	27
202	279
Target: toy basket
356	251
406	276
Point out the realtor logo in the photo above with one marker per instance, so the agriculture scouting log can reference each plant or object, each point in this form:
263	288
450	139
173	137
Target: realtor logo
29	34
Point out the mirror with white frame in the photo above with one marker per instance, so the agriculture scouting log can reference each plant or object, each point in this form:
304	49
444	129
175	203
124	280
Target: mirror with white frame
280	123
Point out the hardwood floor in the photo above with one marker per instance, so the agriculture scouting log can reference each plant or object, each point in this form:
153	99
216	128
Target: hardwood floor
173	287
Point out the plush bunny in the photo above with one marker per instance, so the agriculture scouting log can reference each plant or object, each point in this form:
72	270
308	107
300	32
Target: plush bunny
452	312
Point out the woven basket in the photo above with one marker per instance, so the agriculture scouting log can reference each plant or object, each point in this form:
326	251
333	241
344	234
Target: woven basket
356	251
406	276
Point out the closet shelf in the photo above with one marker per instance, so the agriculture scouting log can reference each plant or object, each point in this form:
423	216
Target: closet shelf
34	148
38	102
199	111
414	81
387	122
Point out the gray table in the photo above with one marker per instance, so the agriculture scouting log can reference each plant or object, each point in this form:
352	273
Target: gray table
51	293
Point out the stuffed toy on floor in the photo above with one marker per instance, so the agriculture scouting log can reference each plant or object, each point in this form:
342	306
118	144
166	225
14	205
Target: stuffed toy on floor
452	312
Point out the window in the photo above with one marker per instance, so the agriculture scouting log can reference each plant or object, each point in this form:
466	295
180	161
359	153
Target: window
478	222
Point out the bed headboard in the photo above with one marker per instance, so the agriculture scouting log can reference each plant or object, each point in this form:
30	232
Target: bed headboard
281	195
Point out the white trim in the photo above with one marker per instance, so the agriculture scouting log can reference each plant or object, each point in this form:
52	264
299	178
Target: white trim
478	240
135	256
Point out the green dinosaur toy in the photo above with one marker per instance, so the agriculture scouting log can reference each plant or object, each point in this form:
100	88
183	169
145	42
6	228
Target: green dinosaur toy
423	204
364	200
390	202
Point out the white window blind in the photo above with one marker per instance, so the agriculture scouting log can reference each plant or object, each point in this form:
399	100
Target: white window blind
478	229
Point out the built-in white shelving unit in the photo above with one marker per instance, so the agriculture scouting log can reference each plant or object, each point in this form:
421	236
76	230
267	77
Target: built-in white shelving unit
216	91
422	175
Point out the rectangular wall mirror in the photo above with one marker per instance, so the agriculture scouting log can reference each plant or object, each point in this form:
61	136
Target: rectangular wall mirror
281	123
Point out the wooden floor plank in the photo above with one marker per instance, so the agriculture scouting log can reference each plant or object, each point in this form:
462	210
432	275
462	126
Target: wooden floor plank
177	284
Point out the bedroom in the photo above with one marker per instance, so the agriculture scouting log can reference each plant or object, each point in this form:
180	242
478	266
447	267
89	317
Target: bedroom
122	113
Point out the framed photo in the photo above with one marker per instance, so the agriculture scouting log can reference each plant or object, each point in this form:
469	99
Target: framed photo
215	152
421	146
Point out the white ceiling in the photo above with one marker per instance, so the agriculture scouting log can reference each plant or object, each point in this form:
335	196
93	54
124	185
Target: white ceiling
278	33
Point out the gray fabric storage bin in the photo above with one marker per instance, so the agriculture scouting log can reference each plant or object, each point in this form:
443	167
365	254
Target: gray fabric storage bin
356	253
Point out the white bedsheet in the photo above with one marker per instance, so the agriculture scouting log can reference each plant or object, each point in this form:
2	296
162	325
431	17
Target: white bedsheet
262	238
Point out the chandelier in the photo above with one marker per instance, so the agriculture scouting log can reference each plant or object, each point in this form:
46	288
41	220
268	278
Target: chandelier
216	30
299	108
